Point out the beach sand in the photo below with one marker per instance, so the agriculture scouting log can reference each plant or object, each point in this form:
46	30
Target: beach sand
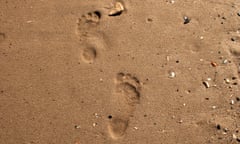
119	72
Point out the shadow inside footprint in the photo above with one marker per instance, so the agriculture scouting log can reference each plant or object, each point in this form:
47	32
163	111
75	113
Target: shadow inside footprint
131	94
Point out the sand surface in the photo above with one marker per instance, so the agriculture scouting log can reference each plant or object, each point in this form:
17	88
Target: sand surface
119	72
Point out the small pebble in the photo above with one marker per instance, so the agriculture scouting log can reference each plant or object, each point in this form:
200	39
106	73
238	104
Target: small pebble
232	102
168	58
218	126
94	124
214	64
225	129
225	61
234	136
214	107
136	128
206	84
96	115
172	1
77	126
201	37
172	74
209	79
227	81
186	20
29	21
117	9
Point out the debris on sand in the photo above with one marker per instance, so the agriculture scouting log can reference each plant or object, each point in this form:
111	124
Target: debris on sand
117	9
206	84
77	126
172	74
225	61
214	64
227	80
186	20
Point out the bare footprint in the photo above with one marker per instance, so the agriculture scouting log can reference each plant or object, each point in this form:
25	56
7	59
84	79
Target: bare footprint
89	33
128	94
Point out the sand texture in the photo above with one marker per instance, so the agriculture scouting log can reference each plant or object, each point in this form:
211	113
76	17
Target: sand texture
119	72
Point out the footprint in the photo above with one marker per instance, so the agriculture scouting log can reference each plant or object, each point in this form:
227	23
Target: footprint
127	93
87	24
89	54
117	127
89	33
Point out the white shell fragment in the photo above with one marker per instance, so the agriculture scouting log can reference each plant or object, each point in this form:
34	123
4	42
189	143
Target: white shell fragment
225	61
117	9
227	81
172	74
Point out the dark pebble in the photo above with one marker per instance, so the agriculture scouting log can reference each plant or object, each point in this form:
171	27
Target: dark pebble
218	127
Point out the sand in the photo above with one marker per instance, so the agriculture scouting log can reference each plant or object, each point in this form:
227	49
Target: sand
119	72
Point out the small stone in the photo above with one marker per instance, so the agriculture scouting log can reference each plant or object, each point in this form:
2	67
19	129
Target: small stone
214	107
201	37
186	20
117	9
234	136
225	61
77	126
94	124
172	1
214	64
172	74
136	128
225	129
168	58
232	102
218	126
206	84
29	21
96	115
227	80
